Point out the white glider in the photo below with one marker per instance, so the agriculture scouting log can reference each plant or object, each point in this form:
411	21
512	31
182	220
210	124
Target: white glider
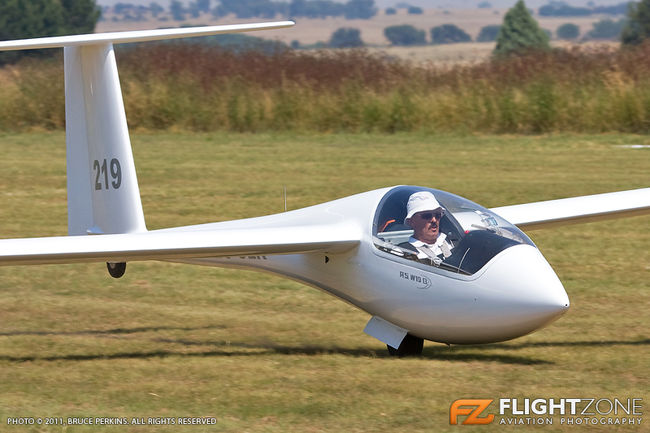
492	284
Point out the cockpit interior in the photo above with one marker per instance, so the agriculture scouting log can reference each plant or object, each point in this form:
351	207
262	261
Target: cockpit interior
472	233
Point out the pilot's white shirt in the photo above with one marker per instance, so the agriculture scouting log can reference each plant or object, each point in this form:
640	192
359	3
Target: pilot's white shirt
431	251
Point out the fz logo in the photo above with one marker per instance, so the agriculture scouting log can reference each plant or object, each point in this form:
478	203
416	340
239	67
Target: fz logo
471	408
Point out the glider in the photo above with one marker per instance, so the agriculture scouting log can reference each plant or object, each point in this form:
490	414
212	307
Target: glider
489	282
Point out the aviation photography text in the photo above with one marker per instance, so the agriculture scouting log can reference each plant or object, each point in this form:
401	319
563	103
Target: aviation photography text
548	411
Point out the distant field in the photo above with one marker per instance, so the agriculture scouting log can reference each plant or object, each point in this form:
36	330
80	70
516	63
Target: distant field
310	31
470	52
263	354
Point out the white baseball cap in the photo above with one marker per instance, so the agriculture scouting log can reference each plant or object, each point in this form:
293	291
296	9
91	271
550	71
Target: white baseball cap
421	201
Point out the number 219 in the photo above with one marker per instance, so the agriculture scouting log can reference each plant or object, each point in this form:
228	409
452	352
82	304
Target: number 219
102	171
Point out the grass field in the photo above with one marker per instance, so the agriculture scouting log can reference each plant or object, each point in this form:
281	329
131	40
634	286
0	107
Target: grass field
260	353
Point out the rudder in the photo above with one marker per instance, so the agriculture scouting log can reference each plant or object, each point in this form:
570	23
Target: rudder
103	193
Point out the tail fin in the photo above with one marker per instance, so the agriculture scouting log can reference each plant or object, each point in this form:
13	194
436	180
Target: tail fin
103	193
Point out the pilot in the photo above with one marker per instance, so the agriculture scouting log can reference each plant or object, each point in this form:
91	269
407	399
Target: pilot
423	215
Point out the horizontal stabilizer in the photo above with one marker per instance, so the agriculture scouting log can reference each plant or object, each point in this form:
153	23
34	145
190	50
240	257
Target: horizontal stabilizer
137	36
543	214
176	244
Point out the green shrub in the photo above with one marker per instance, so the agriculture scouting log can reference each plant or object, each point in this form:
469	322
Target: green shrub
405	35
449	34
346	38
568	31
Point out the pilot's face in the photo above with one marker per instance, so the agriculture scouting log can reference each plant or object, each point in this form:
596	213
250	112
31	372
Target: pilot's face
426	225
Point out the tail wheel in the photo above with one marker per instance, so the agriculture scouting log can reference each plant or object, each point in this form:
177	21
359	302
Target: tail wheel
410	346
116	269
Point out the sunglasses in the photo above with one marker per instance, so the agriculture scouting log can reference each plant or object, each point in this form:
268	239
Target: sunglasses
430	215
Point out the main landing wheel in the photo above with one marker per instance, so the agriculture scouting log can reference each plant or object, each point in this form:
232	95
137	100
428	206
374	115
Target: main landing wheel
116	269
411	346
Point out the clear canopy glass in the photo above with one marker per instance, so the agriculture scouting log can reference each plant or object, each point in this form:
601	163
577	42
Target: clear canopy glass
469	234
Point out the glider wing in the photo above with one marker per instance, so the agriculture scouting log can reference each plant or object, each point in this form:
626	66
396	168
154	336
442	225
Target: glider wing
551	213
177	244
136	36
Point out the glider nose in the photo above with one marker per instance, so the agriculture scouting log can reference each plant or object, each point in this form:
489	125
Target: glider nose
529	292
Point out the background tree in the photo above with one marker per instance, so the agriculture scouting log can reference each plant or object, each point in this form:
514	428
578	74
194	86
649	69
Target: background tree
79	16
30	18
315	9
618	9
561	9
193	10
155	9
415	10
391	11
520	33
177	10
449	34
360	9
606	29
568	31
346	37
352	9
405	35
20	19
638	23
488	33
203	5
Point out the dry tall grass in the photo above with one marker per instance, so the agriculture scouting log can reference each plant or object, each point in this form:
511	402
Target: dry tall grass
199	88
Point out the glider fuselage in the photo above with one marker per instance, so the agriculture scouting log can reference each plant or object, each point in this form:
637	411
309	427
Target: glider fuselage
514	293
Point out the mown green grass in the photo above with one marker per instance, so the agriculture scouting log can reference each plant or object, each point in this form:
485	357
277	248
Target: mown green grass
265	354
